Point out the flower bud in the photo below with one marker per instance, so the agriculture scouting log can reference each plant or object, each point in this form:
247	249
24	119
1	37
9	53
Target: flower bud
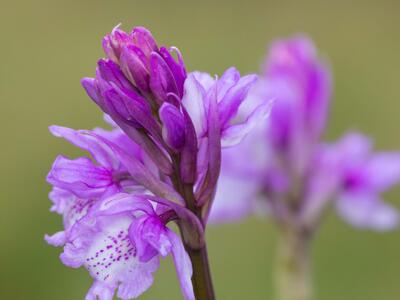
113	43
142	38
134	65
173	126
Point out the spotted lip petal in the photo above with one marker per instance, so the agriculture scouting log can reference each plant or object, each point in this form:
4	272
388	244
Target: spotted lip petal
99	241
153	238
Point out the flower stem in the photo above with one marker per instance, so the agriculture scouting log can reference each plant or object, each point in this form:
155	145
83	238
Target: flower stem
293	273
201	279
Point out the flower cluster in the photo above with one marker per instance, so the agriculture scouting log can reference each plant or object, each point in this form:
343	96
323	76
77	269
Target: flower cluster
283	167
159	164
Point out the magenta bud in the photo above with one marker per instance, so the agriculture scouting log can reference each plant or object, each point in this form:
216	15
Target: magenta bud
173	126
188	167
90	86
177	67
110	72
162	81
134	65
143	39
114	42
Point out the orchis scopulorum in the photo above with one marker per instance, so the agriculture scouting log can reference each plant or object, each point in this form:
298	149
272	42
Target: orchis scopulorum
294	175
158	165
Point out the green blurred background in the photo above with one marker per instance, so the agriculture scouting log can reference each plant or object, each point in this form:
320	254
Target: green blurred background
48	45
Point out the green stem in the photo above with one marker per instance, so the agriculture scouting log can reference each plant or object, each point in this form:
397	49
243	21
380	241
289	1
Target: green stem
293	273
201	279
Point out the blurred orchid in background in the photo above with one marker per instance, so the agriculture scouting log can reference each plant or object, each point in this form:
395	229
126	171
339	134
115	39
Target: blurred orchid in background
282	167
158	165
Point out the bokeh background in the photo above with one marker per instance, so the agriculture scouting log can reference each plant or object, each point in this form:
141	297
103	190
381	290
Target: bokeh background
48	45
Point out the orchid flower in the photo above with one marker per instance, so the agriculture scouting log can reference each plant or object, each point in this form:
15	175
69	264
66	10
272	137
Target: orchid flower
159	165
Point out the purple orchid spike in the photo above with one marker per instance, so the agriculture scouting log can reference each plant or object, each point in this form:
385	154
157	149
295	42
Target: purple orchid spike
160	164
288	159
291	162
283	168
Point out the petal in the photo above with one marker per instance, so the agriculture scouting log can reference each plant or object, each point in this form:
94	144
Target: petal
383	170
202	157
284	121
189	152
123	202
101	243
162	81
58	239
236	162
117	136
234	199
80	176
100	291
61	200
70	206
138	280
235	95
113	42
110	121
228	80
354	146
133	64
153	151
111	73
183	265
143	39
142	175
367	211
177	68
98	150
205	79
294	62
207	187
90	86
145	250
234	134
134	110
138	205
325	180
194	102
191	227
